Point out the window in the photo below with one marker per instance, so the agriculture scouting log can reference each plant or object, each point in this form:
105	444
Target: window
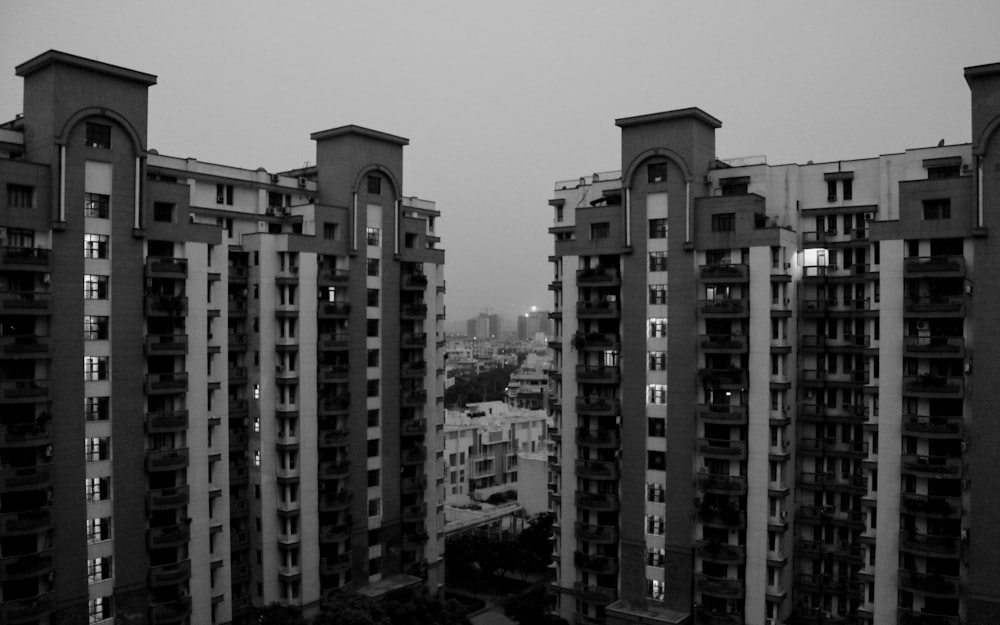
373	357
373	418
374	185
331	232
373	298
95	246
657	361
657	294
20	237
723	222
98	570
373	477
373	235
98	488
655	589
372	329
96	205
98	135
654	524
658	228
657	261
95	287
163	211
373	388
559	213
374	507
657	393
372	265
654	556
937	209
97	449
654	492
373	446
831	190
98	529
735	186
224	194
656	427
20	196
657	327
95	368
95	408
95	328
409	240
600	230
945	171
99	609
848	188
656	172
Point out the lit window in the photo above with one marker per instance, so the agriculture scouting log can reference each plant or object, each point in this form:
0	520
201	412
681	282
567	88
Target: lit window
657	261
98	570
95	408
96	205
655	589
98	135
654	493
95	287
657	361
654	556
98	488
657	327
373	235
99	609
657	393
654	525
657	294
95	327
98	530
95	245
97	449
95	368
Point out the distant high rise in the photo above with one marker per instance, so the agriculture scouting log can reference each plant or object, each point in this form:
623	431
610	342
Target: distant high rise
531	323
774	399
218	386
484	326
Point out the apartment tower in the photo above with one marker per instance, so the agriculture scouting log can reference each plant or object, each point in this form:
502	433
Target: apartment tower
260	387
766	410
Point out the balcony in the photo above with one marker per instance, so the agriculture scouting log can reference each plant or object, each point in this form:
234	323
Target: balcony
829	583
24	435
413	340
596	341
933	585
732	378
597	309
598	276
27	611
24	346
333	438
598	374
24	391
334	341
171	613
413	311
717	517
414	455
166	344
598	406
925	617
830	514
166	305
334	470
170	382
22	567
928	385
333	277
25	523
601	565
725	484
932	466
329	502
166	267
332	406
414	427
844	413
414	369
594	594
935	267
329	534
335	565
723	413
723	343
830	479
25	302
930	545
598	502
24	258
167	498
597	439
170	536
704	616
934	346
164	422
167	459
718	308
724	273
597	469
333	310
933	427
414	513
414	397
334	374
170	574
722	448
413	485
413	281
598	534
833	446
720	552
719	586
25	478
947	306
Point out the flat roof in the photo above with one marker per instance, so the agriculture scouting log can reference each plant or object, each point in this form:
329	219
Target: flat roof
52	57
974	71
650	118
351	129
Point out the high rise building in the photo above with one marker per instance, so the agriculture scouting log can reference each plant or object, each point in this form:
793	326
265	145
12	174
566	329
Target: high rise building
219	387
767	410
531	323
484	326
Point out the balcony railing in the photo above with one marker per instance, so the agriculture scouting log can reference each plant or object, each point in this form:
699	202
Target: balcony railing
933	427
597	469
723	343
597	438
170	382
602	534
934	266
723	448
601	502
930	346
933	385
166	459
720	552
732	484
723	307
931	544
169	574
720	586
598	406
167	498
334	309
602	565
597	276
932	466
166	421
598	374
725	272
24	435
723	413
597	308
929	584
951	306
166	267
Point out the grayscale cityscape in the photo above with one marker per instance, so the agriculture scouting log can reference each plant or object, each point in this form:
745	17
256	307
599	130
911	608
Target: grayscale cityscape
617	368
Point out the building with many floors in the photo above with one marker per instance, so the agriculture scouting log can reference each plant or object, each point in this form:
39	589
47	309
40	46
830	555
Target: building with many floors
774	393
219	387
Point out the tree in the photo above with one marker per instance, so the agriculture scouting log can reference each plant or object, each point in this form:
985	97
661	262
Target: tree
405	607
531	607
536	541
277	614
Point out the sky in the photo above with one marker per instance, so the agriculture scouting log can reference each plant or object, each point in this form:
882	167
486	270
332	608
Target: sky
501	99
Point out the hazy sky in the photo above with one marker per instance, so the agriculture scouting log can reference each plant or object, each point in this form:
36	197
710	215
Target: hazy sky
500	99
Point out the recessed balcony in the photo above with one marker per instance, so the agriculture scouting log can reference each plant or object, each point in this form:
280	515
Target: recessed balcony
945	306
724	484
414	513
926	617
723	343
24	258
722	448
334	502
732	378
28	346
933	427
720	552
413	485
170	574
723	413
719	586
166	267
597	309
413	427
722	272
933	466
331	470
598	276
598	564
22	567
24	435
170	382
929	385
168	498
413	281
930	545
25	478
592	374
591	341
952	266
832	479
597	406
597	439
413	340
169	536
597	469
167	459
333	438
25	302
732	518
414	455
25	523
598	534
929	584
334	341
598	502
833	446
334	374
333	310
164	422
334	533
414	369
166	305
720	308
934	346
831	514
24	391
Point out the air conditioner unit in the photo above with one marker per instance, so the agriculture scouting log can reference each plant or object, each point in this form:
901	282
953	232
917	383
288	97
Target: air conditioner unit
275	178
784	514
869	216
286	210
269	211
302	183
966	168
788	265
831	231
921	325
